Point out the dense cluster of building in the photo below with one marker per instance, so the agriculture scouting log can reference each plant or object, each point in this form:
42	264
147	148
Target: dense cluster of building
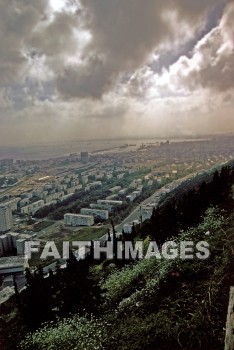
14	242
43	194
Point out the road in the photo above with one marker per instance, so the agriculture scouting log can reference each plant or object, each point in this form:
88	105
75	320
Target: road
135	214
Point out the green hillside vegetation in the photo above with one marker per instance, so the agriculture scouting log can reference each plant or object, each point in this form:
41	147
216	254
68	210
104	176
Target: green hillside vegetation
156	304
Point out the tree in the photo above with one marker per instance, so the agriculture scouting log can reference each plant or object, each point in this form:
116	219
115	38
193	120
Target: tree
108	235
114	242
36	301
17	295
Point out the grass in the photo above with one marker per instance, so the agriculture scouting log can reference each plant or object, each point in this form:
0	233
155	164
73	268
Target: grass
83	234
42	225
89	233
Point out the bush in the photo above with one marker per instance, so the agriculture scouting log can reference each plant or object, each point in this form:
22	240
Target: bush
75	333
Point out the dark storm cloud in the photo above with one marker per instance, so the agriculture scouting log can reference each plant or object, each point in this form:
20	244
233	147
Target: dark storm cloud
17	20
167	58
124	33
92	79
55	37
214	70
193	9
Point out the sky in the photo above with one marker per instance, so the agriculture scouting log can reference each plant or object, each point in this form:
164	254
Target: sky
94	69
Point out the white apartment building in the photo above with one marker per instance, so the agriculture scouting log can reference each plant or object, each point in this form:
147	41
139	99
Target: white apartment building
66	196
54	196
138	181
26	195
100	206
70	190
5	247
37	192
137	193
123	191
146	212
11	203
20	246
110	203
95	184
127	228
24	202
115	189
84	179
99	176
113	196
102	214
131	197
32	208
78	220
6	220
133	185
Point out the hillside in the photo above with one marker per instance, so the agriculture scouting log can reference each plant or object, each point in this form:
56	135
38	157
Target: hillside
168	304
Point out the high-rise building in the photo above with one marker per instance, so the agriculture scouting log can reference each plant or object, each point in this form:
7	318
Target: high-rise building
6	220
78	220
101	214
84	157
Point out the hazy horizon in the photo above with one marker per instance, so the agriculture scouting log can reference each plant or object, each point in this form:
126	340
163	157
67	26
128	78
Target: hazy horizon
45	151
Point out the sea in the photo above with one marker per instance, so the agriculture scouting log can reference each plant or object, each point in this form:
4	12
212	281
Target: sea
64	149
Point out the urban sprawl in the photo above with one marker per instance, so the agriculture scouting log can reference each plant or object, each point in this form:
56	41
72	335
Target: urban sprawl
83	195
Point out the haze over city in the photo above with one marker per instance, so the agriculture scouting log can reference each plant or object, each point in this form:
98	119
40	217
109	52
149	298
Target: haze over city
76	70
